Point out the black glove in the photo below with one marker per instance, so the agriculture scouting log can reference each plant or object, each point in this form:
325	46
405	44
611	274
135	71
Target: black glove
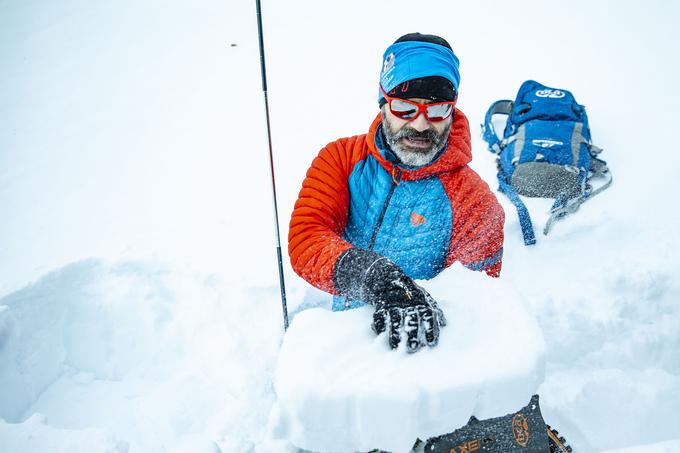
399	302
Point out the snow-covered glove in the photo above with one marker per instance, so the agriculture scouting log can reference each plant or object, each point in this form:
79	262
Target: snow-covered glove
400	303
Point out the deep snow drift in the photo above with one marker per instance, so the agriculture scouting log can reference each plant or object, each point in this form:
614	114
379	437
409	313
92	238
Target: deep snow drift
121	357
133	133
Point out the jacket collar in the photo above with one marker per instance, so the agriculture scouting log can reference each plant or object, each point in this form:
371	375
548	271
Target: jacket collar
457	153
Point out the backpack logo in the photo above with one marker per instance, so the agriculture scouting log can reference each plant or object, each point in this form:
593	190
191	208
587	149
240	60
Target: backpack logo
550	93
417	219
546	143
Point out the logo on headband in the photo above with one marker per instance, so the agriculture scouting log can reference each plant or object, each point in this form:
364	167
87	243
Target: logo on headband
389	63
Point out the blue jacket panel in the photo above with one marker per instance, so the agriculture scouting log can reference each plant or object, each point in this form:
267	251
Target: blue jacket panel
409	222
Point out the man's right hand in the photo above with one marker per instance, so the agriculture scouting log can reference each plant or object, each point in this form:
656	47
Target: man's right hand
400	303
420	321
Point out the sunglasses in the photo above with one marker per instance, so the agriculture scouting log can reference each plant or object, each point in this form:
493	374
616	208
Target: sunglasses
409	110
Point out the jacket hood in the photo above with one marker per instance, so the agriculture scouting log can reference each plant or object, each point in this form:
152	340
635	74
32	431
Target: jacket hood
458	152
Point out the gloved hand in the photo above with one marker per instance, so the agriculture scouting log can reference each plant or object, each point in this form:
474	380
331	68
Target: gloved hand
421	322
399	302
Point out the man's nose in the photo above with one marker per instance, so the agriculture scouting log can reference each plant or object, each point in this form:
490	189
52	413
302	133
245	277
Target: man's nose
420	123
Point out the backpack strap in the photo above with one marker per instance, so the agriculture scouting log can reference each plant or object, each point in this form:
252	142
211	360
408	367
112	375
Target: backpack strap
489	135
522	211
562	207
504	107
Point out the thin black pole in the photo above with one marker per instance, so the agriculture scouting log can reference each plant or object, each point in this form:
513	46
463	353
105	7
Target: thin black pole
271	166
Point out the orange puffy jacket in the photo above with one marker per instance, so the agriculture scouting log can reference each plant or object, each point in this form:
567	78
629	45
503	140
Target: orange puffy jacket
423	219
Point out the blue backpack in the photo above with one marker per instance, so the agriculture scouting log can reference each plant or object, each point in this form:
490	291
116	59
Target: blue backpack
545	152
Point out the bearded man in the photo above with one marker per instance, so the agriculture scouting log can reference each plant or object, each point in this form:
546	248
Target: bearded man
378	210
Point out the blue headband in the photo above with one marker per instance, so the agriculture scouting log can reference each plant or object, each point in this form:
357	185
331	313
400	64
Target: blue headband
410	60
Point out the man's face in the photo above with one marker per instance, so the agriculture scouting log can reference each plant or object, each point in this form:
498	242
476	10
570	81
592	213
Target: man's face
415	142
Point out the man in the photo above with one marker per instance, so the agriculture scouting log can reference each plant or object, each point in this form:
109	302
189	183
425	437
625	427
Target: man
378	210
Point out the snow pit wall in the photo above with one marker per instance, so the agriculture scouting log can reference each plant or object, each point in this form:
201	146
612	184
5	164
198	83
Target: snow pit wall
84	317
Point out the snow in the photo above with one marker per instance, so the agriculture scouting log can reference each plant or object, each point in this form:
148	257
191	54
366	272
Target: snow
489	362
139	308
672	446
126	348
35	434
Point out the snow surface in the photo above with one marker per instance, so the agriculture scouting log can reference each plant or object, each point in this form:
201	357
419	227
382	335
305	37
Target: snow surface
139	306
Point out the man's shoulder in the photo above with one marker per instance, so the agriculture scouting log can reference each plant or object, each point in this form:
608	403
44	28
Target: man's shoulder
464	179
351	142
349	150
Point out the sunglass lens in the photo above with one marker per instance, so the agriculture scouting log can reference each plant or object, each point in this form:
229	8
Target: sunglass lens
439	112
403	109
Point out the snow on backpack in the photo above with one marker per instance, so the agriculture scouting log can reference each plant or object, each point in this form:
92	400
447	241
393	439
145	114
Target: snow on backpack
545	152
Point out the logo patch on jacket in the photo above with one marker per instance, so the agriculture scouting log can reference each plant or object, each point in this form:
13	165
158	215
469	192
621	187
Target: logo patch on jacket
417	219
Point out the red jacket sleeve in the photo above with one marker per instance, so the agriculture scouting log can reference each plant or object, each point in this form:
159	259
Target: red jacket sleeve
320	213
478	219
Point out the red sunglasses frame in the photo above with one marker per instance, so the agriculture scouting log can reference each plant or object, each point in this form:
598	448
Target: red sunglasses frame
422	108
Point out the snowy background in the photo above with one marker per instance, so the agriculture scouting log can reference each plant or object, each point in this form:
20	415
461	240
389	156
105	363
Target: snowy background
139	307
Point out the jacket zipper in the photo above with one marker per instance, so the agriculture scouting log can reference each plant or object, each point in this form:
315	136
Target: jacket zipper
395	180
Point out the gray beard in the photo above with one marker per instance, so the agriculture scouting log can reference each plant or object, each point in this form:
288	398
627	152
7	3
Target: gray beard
414	157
